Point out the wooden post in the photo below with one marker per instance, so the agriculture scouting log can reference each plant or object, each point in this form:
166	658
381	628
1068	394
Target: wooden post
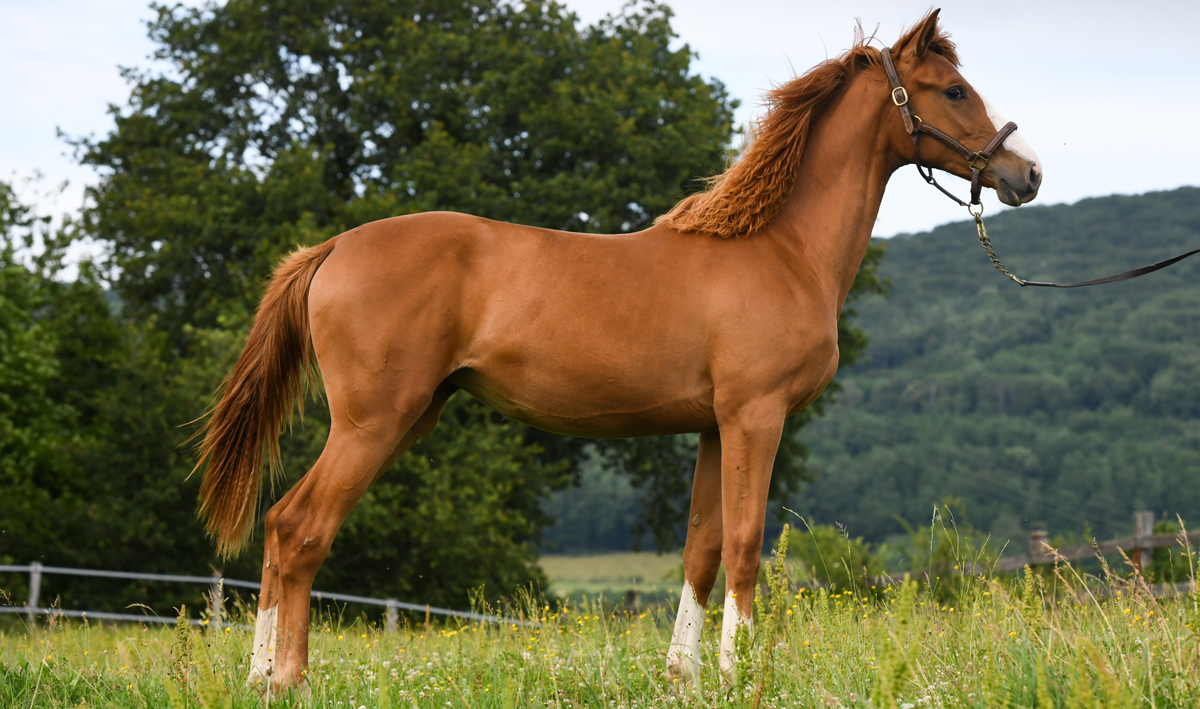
35	590
391	615
631	602
1038	539
427	619
216	601
1143	527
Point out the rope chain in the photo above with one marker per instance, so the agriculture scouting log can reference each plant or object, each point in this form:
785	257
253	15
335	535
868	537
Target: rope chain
986	243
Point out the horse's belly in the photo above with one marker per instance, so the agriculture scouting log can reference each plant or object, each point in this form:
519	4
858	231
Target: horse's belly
592	408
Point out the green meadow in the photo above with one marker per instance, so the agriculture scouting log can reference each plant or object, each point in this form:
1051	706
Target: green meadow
1055	638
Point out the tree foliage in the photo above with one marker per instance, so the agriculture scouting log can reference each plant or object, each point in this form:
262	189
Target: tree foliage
35	425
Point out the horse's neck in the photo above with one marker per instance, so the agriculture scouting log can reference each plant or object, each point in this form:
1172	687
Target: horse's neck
825	224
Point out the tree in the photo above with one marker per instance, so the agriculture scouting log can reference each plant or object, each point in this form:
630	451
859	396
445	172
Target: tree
84	431
35	426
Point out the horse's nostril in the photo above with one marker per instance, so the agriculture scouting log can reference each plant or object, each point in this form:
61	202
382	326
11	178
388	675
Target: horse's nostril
1035	176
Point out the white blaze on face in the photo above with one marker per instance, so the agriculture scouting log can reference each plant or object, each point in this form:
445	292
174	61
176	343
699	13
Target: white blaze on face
1014	142
683	655
729	625
262	659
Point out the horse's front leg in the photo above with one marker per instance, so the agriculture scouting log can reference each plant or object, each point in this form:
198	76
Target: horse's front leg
750	437
701	560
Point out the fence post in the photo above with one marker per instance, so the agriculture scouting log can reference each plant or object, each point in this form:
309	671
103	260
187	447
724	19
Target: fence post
392	620
35	590
1038	540
1143	527
631	602
216	603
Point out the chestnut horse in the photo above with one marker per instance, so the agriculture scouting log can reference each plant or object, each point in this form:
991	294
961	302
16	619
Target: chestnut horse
720	319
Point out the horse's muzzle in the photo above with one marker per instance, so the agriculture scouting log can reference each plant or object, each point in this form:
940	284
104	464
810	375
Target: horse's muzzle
1016	187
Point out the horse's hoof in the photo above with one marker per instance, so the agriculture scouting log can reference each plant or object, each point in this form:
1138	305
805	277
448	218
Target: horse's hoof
258	680
682	669
728	670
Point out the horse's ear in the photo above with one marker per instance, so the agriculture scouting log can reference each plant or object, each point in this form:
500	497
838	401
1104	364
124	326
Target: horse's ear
919	38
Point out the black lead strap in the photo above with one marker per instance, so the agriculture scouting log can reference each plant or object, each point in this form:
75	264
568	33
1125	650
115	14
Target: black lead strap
986	243
1134	273
978	162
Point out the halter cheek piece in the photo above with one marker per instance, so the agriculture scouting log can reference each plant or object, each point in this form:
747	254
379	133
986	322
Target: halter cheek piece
978	162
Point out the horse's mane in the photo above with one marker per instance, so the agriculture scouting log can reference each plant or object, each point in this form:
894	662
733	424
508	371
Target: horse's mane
751	191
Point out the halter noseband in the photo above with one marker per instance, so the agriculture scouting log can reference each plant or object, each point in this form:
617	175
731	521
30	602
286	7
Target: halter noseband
976	160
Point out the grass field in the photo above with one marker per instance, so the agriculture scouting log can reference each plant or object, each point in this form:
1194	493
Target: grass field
1053	640
611	575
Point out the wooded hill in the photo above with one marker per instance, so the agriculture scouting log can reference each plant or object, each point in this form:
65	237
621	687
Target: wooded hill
1072	408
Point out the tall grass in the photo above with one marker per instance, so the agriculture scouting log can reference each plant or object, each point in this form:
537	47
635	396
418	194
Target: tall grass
1055	639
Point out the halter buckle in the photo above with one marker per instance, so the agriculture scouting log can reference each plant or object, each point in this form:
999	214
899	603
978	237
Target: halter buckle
978	156
902	99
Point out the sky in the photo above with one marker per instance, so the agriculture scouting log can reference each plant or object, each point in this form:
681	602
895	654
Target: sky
1106	92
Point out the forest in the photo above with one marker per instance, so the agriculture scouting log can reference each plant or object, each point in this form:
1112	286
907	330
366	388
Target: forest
1066	408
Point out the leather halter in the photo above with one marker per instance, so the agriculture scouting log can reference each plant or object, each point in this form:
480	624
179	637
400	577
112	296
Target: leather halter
977	160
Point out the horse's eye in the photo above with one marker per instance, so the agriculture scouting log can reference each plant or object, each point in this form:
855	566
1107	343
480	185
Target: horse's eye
955	93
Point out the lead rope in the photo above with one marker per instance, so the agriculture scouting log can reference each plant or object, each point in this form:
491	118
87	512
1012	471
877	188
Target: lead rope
986	243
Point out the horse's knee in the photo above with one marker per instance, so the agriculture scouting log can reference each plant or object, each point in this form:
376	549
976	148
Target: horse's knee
700	567
743	554
702	559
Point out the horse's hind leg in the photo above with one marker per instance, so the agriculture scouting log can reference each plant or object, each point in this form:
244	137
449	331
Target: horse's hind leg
358	451
262	660
701	559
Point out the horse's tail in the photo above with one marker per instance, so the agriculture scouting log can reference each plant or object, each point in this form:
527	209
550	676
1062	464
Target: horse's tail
256	399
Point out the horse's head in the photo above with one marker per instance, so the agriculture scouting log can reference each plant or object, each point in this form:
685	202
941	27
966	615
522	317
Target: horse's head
940	96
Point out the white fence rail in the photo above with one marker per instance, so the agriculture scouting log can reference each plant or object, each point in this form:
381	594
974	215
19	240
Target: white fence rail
36	570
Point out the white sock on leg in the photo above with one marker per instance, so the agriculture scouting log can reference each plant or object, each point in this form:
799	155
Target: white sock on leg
262	659
683	657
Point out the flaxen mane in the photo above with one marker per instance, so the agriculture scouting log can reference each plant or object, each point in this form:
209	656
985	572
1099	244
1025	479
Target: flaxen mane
748	195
